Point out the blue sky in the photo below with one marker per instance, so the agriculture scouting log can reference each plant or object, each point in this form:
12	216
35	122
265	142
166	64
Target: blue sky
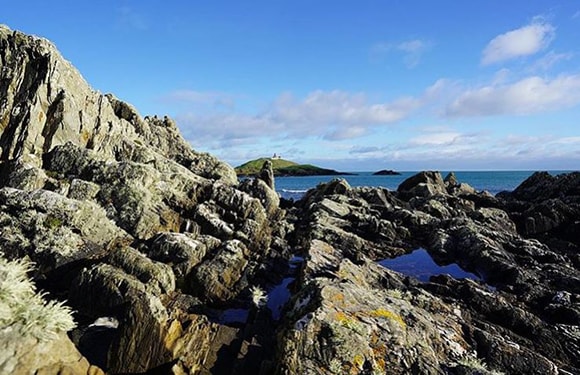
350	85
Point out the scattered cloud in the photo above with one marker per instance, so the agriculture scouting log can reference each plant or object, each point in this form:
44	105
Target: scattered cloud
412	51
524	41
437	139
526	96
473	151
550	59
501	76
329	115
576	15
339	108
568	140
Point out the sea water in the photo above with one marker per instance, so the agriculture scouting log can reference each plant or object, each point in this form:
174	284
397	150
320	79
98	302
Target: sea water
418	263
491	181
421	265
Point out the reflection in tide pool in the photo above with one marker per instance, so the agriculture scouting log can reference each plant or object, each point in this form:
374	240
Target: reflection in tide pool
419	264
231	316
278	296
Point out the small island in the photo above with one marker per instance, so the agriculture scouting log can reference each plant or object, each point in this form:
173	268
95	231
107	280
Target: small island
387	172
284	168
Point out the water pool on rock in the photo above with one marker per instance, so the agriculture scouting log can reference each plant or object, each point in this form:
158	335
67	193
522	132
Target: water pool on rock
421	265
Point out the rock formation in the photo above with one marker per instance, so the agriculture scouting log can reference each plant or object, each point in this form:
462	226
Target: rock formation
158	249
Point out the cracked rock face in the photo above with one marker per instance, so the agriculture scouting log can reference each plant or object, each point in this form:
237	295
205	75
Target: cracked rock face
128	224
45	102
351	316
121	217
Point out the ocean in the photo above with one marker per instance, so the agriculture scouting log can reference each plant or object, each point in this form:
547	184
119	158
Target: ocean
492	181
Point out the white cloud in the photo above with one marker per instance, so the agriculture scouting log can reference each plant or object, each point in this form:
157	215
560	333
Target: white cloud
330	115
527	96
470	151
567	140
436	139
338	108
364	149
524	41
412	51
550	59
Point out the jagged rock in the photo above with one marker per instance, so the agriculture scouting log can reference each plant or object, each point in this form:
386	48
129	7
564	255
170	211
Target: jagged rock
51	229
352	324
105	290
181	250
267	196
153	274
480	233
24	356
122	216
542	186
46	102
454	187
22	175
267	174
218	279
423	184
83	190
145	198
451	180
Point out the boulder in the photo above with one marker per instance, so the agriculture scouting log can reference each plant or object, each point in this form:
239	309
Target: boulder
53	230
542	186
267	174
423	184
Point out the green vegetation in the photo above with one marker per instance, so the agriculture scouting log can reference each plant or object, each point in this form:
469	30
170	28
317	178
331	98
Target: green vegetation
25	310
254	166
52	222
283	167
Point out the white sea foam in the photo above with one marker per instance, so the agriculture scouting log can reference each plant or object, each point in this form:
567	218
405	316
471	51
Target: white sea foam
292	191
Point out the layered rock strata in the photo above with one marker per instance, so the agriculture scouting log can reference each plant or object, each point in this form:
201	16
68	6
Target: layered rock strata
165	258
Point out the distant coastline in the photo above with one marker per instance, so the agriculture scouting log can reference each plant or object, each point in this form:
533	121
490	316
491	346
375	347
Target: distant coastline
285	168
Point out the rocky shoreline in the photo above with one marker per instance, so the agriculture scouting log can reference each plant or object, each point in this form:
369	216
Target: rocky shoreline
172	266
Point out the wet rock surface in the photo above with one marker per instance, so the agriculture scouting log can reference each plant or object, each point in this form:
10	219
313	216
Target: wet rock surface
129	225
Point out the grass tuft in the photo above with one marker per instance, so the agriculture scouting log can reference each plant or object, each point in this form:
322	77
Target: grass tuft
22	308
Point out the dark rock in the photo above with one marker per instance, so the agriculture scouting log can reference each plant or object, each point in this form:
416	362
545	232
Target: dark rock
542	186
451	179
386	172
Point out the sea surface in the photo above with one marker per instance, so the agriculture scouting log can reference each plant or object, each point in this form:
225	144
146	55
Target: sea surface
492	181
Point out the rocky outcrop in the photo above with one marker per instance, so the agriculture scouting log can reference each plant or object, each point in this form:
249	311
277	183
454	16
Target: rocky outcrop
521	318
168	261
124	220
424	184
46	102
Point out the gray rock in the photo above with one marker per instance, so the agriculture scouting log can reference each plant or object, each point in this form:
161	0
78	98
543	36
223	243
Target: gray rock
46	102
423	184
181	250
267	174
51	229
